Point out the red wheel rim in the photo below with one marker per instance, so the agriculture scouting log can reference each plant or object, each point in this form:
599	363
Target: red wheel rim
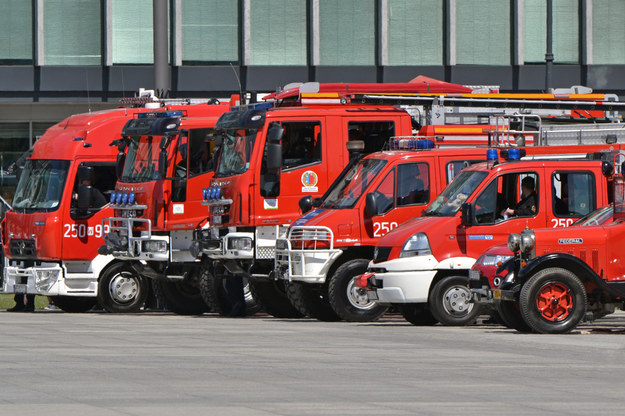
554	301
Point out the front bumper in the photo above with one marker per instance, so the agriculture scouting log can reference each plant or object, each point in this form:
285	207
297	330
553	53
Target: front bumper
48	279
146	247
401	287
309	264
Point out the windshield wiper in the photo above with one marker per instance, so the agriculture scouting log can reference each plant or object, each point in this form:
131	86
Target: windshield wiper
431	214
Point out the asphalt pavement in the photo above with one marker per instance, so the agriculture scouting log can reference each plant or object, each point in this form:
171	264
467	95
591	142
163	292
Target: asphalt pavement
157	363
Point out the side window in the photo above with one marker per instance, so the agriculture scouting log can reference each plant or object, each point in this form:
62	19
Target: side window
179	184
385	193
301	143
375	134
413	184
519	192
573	193
201	150
454	167
487	208
102	185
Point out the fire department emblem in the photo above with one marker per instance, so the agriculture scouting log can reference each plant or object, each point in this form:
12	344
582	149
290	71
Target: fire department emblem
309	181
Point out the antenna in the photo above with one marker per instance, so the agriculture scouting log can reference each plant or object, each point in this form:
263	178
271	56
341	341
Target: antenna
239	81
88	97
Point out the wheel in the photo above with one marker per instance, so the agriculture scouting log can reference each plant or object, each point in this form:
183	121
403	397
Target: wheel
349	301
450	302
510	314
553	301
121	289
311	300
180	296
74	304
272	295
219	293
417	314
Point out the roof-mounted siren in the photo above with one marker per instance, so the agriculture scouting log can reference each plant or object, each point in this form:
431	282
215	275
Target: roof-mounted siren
512	154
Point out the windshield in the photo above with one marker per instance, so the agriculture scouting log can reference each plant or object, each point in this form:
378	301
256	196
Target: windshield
236	151
353	184
455	194
596	217
142	159
41	185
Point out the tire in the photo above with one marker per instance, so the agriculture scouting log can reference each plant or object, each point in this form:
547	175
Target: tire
553	301
214	290
311	300
121	289
272	295
348	301
510	314
449	302
417	314
74	304
180	296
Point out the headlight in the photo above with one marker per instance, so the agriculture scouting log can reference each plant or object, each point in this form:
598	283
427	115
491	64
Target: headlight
155	246
44	279
493	259
527	241
244	243
514	242
417	245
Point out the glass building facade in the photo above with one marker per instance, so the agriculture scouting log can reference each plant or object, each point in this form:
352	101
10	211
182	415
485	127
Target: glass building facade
93	52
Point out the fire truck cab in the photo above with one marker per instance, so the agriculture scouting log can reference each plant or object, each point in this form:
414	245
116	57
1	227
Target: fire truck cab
328	247
422	266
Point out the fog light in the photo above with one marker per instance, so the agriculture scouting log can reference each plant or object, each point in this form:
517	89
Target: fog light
155	246
243	243
45	279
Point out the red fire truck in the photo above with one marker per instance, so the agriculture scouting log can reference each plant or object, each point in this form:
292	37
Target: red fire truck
165	159
244	230
52	234
422	266
557	280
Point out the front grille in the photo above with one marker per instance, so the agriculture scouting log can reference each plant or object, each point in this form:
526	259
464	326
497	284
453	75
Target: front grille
381	254
264	253
23	249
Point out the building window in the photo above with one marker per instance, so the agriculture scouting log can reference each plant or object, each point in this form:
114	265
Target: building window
278	44
16	35
72	32
132	32
415	32
210	31
565	31
483	32
608	32
347	32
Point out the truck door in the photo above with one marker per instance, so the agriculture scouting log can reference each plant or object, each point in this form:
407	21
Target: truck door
502	208
573	195
193	171
403	193
82	228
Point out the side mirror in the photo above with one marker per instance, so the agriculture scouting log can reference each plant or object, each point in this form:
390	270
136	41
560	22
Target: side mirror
274	134
119	166
371	205
84	197
85	173
162	163
305	204
466	216
274	156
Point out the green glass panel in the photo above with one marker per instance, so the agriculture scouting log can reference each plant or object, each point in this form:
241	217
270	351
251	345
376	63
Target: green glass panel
566	31
210	31
16	31
72	32
608	32
132	37
483	32
347	32
273	43
415	32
